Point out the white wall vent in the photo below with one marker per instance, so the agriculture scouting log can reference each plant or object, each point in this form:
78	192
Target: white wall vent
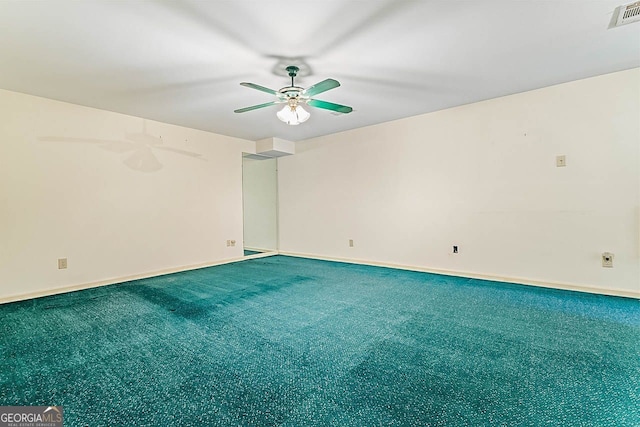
626	14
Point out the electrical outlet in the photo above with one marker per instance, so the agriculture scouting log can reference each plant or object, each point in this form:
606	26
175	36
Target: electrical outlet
561	161
350	243
607	260
62	263
228	243
455	249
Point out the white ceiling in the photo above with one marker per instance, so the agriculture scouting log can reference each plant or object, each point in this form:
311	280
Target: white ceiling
180	62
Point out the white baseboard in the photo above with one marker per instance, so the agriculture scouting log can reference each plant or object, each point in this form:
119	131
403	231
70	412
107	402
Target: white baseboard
79	287
517	280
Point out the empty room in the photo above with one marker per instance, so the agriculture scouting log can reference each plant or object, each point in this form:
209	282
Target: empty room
319	213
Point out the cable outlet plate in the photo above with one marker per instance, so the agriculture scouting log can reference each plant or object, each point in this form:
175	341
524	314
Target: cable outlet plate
607	260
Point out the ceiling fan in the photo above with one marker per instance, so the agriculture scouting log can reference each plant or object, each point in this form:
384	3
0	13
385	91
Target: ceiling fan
294	96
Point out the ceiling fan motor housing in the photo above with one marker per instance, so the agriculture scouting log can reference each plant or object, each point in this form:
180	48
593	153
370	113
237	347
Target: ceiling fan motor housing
291	91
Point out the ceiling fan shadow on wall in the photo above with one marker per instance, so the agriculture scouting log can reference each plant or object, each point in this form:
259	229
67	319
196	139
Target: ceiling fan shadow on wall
294	96
138	148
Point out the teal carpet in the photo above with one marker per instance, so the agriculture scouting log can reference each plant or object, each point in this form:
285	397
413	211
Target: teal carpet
250	252
282	341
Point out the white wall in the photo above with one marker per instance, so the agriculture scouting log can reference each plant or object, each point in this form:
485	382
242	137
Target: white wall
259	189
482	176
114	209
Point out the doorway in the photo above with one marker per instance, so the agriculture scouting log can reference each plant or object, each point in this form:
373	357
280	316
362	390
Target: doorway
259	204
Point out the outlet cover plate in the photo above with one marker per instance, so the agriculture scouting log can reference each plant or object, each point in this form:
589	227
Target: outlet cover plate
607	260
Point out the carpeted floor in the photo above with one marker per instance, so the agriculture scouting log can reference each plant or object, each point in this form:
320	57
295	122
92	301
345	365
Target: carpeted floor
296	342
250	252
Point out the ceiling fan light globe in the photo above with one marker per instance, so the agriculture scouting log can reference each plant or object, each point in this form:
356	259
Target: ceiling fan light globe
303	115
293	115
287	115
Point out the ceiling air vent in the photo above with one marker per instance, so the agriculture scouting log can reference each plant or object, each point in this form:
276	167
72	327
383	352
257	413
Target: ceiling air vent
626	14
